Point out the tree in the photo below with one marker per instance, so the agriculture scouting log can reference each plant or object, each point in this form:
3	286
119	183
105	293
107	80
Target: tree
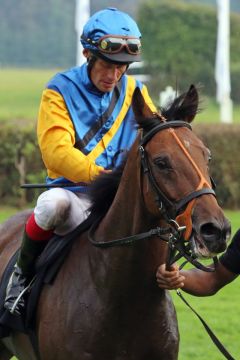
179	44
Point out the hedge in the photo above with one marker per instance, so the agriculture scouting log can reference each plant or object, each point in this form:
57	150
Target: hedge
20	162
223	142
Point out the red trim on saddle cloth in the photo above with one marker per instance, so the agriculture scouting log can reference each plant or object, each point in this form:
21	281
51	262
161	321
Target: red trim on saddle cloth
35	232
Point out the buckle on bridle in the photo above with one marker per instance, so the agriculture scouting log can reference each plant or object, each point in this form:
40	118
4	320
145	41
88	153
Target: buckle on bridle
176	226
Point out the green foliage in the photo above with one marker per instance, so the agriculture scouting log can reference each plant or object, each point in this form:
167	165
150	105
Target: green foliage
20	162
223	141
42	33
37	33
179	45
179	38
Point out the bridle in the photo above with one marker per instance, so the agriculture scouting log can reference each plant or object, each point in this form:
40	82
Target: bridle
171	211
169	208
176	234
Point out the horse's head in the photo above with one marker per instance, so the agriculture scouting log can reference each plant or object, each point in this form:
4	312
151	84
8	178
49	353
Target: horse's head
176	183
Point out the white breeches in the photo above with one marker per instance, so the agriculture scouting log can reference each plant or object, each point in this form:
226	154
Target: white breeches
61	210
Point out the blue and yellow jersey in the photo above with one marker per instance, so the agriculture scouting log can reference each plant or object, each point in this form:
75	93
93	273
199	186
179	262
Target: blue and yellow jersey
82	130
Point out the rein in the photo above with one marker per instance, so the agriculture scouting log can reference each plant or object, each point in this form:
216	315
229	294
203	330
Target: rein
129	240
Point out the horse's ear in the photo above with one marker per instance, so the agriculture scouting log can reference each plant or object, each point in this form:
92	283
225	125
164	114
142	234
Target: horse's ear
191	101
140	108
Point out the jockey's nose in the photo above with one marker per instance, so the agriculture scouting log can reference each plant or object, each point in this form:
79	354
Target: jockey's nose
113	73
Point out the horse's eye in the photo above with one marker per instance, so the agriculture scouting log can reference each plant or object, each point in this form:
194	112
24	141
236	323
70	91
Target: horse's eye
162	163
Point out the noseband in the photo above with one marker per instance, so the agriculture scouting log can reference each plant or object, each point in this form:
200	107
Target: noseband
171	211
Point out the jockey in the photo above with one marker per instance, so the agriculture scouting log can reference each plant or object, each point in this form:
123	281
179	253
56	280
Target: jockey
85	125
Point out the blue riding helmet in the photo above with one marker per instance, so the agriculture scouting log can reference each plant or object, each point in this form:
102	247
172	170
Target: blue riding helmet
113	36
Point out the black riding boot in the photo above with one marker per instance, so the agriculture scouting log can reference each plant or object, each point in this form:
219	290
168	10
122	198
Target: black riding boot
22	274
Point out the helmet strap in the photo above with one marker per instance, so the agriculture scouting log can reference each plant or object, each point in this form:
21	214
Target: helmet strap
91	60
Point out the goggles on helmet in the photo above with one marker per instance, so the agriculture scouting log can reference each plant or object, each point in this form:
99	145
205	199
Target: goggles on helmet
113	44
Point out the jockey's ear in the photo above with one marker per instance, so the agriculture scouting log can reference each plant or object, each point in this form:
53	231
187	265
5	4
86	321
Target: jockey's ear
140	108
87	53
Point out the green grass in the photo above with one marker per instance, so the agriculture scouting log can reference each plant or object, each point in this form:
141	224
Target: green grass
21	89
234	217
20	92
210	112
6	212
221	312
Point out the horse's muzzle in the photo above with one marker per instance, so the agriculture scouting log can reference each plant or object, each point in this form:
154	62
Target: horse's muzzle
211	238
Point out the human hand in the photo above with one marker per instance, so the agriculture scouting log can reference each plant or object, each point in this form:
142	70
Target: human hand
169	279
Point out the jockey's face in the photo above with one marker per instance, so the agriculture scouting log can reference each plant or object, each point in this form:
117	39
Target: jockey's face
105	75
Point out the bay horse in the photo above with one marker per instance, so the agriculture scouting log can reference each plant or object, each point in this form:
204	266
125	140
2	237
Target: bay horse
105	302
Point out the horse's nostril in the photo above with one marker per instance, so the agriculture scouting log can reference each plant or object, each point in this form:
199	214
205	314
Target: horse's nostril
214	237
210	231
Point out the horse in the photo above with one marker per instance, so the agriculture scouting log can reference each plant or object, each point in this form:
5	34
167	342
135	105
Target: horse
105	302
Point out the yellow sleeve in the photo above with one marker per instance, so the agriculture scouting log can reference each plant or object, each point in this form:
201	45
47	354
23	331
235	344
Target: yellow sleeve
147	99
56	137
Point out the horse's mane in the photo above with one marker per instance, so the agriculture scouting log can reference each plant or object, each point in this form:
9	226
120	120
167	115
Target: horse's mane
103	190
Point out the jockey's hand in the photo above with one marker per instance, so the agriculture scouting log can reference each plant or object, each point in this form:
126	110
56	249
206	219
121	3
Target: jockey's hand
169	279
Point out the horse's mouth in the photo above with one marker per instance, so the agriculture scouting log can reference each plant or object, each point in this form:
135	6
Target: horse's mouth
199	249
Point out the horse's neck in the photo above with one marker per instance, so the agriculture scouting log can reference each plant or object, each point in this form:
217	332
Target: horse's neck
128	216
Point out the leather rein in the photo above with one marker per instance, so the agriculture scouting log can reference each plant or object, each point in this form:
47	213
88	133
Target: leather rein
173	234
